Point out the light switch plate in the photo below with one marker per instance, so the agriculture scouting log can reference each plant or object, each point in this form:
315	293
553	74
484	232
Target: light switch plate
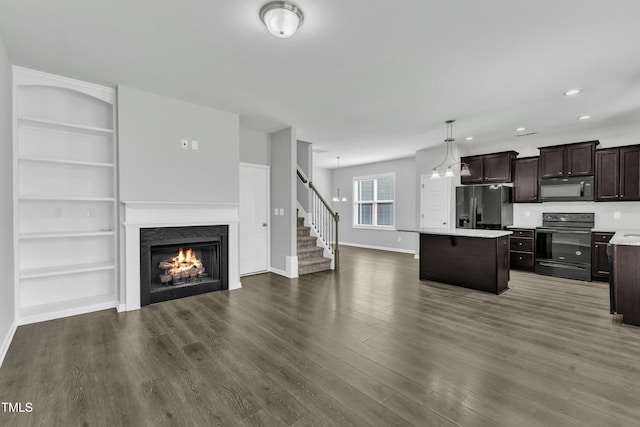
184	144
617	215
275	211
281	211
194	145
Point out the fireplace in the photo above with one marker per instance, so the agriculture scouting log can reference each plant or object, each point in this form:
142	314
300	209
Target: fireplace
176	262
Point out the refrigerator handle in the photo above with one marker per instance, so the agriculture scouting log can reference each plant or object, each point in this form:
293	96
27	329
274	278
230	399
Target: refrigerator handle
474	208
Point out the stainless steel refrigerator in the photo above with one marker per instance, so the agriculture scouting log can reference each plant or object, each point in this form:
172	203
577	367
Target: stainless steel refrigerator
484	206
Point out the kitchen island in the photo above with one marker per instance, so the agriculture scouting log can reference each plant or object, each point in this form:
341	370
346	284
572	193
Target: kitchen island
626	275
475	259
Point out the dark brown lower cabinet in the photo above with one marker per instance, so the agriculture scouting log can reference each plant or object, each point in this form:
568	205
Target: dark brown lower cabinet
626	273
599	259
522	249
472	262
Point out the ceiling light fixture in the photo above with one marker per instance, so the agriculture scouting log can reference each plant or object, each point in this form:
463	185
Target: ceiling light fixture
521	129
337	197
281	18
464	168
572	92
469	138
585	117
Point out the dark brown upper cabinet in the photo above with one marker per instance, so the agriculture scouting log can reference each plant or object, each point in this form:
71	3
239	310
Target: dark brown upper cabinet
489	168
630	173
525	180
608	175
618	174
567	160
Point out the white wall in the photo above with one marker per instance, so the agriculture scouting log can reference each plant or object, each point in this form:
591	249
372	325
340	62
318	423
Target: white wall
305	162
153	166
322	181
405	172
283	196
255	147
7	286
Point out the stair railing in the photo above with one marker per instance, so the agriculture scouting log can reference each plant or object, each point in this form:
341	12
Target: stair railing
323	219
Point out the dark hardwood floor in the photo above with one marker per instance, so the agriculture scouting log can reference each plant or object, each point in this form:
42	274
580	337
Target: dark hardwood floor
370	345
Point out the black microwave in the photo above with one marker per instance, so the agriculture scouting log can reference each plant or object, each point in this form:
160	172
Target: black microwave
566	189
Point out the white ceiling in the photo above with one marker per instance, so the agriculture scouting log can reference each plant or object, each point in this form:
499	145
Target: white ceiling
368	80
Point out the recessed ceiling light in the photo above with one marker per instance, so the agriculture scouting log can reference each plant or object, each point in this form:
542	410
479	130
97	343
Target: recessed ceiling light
572	92
521	129
469	138
585	117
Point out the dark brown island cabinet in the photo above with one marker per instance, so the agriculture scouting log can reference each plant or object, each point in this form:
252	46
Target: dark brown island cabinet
474	262
567	160
525	180
618	174
522	249
626	282
489	168
599	259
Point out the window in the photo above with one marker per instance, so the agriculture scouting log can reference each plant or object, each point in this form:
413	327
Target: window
374	201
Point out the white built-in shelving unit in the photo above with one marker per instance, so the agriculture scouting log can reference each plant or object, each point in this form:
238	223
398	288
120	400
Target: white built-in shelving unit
65	210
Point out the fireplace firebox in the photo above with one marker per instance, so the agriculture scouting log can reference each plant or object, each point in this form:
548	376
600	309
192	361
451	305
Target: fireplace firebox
177	262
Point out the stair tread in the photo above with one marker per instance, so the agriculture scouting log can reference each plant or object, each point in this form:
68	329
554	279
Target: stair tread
314	260
309	249
307	238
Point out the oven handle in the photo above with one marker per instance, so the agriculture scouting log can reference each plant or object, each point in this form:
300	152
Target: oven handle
565	266
555	230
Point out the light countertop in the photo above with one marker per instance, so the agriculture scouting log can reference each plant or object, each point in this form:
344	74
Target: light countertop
461	232
526	227
626	237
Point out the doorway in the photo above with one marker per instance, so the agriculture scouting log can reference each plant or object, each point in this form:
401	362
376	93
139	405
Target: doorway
435	202
254	218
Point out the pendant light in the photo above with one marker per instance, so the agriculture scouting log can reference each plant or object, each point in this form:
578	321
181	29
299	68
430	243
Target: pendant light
281	18
337	197
464	169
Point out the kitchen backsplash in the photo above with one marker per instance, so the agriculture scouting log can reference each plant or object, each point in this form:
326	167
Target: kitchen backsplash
613	215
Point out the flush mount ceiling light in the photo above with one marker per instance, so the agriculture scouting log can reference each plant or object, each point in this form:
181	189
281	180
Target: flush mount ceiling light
281	18
464	168
469	138
572	92
521	129
585	117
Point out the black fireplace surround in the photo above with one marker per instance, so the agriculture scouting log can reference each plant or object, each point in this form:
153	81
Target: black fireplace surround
159	245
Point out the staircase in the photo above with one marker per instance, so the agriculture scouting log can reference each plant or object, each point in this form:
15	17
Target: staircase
310	259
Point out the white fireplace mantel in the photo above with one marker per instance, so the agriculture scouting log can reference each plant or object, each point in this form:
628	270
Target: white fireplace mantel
135	215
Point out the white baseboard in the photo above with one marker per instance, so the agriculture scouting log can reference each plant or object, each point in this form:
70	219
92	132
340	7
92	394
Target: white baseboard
380	248
26	320
121	308
234	286
7	342
416	256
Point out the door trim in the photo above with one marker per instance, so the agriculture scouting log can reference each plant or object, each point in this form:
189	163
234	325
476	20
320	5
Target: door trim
268	193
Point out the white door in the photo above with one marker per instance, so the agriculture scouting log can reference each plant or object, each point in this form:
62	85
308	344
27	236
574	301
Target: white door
254	216
435	202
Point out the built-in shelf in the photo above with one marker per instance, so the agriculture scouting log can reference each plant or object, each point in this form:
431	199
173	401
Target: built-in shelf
27	236
53	124
36	160
34	273
68	198
64	152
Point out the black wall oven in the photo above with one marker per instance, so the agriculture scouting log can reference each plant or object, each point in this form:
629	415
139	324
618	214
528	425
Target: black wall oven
563	245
